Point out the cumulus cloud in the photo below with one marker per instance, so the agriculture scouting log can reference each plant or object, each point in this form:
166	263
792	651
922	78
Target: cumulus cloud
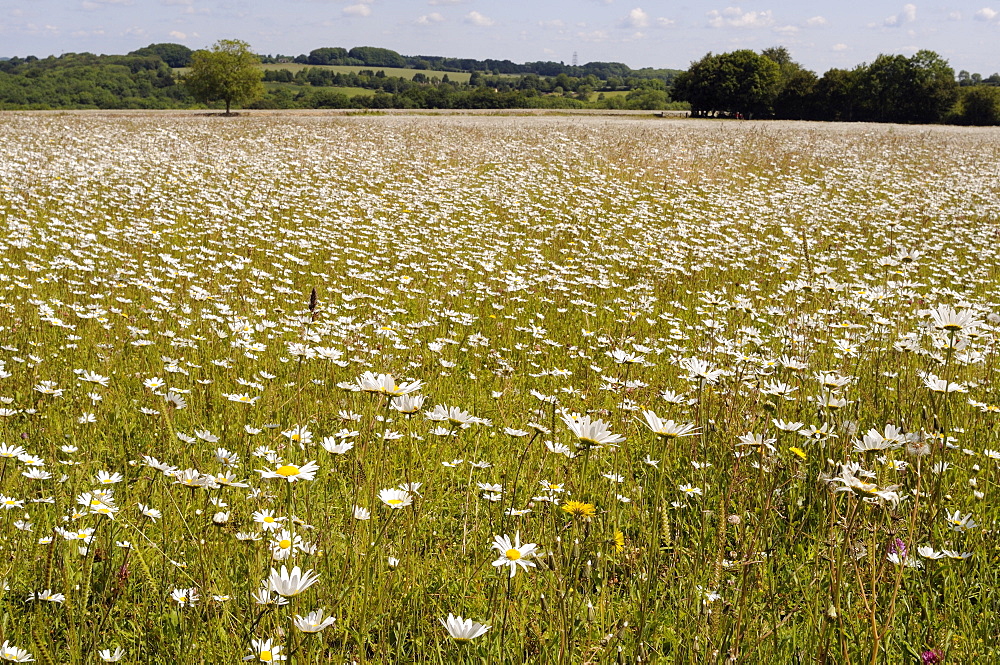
815	22
907	15
986	14
554	23
786	30
176	34
839	47
357	10
475	18
734	17
636	18
430	19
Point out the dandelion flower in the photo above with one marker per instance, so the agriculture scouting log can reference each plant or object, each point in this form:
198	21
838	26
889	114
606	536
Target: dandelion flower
580	509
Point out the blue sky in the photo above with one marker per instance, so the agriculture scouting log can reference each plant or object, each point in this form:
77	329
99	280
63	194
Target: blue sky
640	33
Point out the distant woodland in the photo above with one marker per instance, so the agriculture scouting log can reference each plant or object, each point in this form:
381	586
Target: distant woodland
922	88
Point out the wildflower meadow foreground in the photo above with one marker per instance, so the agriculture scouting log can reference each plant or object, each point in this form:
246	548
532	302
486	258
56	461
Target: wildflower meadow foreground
497	390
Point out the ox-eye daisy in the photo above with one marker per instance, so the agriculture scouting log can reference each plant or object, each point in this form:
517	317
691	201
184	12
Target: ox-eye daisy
512	554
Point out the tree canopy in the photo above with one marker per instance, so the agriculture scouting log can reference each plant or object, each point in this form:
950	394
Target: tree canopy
226	72
740	82
175	55
892	88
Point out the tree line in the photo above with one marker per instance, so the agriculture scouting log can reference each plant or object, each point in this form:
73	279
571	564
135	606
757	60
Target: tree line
149	78
921	88
178	56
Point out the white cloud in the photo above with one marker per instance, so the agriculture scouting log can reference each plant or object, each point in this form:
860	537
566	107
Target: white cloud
357	10
475	18
91	5
438	3
787	30
555	23
594	36
907	15
986	14
430	19
665	22
839	47
176	34
955	16
734	17
636	19
815	22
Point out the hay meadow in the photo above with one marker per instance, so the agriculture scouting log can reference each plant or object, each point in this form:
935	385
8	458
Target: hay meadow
486	389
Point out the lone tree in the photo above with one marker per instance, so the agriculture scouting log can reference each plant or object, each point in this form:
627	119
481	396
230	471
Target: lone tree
226	72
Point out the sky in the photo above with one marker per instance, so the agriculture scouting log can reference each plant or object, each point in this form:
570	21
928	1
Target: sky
639	33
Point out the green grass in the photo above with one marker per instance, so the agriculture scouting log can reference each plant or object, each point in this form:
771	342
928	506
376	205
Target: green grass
775	290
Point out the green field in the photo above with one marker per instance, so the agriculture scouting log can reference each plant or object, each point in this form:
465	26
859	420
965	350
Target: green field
458	77
295	89
610	389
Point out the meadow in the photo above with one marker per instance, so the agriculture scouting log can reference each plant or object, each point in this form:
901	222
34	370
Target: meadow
483	389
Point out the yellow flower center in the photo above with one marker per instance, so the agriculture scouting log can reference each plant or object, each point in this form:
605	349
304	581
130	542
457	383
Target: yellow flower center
287	470
265	656
296	437
513	554
285	544
394	502
269	519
